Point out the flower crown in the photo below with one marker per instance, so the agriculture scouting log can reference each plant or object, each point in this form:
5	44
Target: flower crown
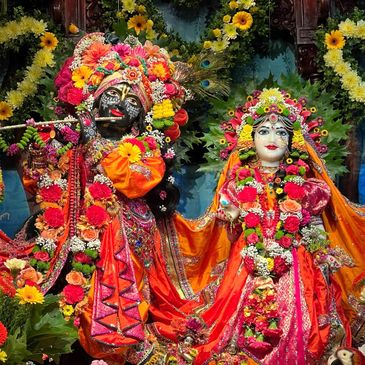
97	65
273	105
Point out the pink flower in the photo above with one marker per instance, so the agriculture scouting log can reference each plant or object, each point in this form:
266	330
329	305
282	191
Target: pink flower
82	258
51	193
291	224
170	89
152	144
96	215
100	191
244	173
73	293
292	170
249	263
54	217
285	241
64	75
280	266
306	217
252	238
247	194
122	49
252	220
41	256
294	191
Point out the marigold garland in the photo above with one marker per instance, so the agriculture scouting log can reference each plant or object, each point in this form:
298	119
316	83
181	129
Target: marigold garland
44	57
335	41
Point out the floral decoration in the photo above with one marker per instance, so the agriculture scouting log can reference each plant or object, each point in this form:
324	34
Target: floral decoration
44	57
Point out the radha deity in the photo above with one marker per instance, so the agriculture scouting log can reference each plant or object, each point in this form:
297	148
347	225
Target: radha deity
253	281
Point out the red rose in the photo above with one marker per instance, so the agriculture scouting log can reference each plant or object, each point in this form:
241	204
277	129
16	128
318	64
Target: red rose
82	258
292	170
41	256
3	334
291	224
247	194
75	96
244	173
285	241
100	191
252	220
181	117
294	191
173	132
249	263
73	293
54	217
280	266
96	215
152	144
170	89
252	238
51	193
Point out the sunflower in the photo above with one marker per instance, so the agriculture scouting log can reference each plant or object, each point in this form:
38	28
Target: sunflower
242	20
5	110
68	310
49	41
334	40
29	294
81	75
131	151
138	23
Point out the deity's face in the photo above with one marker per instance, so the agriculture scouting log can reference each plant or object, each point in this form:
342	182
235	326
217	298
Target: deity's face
118	101
271	142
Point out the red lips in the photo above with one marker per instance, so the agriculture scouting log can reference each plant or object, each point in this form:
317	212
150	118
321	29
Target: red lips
271	147
117	113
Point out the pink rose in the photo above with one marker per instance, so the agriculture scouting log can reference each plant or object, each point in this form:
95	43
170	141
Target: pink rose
41	256
252	220
83	258
252	238
285	241
247	194
291	224
292	170
170	90
244	173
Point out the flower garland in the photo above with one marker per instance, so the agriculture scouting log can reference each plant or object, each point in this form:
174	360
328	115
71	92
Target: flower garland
44	57
335	41
231	23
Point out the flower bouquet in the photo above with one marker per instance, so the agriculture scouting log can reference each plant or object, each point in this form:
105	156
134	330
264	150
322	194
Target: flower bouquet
32	328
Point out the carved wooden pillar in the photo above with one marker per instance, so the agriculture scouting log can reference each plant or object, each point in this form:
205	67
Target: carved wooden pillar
65	12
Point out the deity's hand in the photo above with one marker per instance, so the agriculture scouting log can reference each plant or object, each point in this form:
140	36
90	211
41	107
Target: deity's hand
88	127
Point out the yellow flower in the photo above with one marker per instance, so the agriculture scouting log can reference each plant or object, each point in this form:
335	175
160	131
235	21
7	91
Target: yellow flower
246	4
230	31
313	109
270	263
119	14
68	310
242	20
289	161
333	57
129	5
220	45
29	294
230	112
358	93
167	139
226	18
138	23
271	96
222	141
15	264
279	191
334	40
141	9
149	24
27	87
73	29
324	132
347	28
233	5
217	32
149	128
207	44
151	34
342	67
38	26
81	75
350	80
15	98
130	151
5	110
3	356
49	41
360	29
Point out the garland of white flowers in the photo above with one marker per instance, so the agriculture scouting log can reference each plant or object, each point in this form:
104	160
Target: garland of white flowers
44	57
335	41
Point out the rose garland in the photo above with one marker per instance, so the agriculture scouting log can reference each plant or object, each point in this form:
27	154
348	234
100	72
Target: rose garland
44	57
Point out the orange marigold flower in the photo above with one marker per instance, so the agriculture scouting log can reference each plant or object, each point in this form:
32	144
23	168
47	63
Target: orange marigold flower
160	70
93	55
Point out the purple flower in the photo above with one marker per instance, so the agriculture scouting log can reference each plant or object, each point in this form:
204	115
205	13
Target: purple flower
194	324
59	110
70	135
292	117
303	100
163	194
13	150
306	217
256	93
30	122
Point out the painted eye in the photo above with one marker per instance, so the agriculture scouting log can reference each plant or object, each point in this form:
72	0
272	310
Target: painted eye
263	132
132	100
112	93
282	133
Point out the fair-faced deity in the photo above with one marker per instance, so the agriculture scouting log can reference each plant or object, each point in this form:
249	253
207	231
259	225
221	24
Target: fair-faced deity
271	142
118	101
